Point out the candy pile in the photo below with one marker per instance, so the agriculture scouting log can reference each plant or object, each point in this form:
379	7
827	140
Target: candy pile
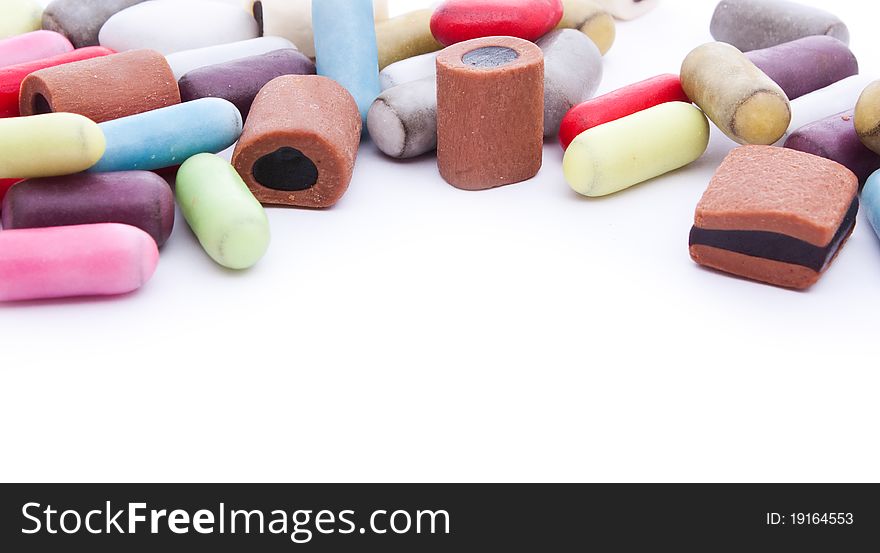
102	100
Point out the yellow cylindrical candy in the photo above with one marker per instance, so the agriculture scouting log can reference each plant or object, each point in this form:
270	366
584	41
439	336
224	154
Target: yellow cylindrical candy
589	18
19	16
48	145
614	156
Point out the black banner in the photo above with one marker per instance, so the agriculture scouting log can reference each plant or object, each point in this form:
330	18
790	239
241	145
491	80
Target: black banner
424	518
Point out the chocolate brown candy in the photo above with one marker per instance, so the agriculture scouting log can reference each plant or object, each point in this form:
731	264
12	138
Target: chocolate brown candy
300	142
775	215
102	89
490	112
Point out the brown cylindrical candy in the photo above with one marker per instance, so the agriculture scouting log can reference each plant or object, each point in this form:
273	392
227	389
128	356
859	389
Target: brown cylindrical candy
490	112
103	88
300	142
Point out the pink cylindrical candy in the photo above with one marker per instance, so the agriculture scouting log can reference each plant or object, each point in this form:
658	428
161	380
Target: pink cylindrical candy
86	260
32	46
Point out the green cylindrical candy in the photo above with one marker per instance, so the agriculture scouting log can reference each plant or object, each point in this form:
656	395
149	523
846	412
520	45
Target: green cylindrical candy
229	222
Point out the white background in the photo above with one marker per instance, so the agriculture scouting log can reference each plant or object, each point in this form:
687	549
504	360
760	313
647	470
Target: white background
416	332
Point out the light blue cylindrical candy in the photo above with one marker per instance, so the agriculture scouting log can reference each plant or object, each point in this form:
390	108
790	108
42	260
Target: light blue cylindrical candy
871	200
345	46
169	136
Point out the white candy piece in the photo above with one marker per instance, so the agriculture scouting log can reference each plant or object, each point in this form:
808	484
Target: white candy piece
828	101
572	73
403	120
169	26
627	9
183	62
292	19
409	70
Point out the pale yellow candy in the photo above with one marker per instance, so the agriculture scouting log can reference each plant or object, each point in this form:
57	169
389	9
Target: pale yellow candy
589	18
614	156
19	16
48	145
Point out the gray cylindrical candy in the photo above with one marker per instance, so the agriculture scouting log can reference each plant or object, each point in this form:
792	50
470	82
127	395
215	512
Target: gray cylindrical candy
240	80
806	64
81	20
137	198
572	73
755	24
737	96
403	120
835	138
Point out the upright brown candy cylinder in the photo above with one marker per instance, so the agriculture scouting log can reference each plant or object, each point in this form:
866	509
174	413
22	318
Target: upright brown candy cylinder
300	142
490	112
104	88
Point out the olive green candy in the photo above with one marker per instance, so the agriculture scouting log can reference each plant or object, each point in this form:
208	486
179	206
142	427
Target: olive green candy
229	222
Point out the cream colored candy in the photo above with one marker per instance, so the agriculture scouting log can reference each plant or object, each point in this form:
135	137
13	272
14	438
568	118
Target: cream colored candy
737	96
614	156
19	16
591	19
292	19
48	145
867	116
405	36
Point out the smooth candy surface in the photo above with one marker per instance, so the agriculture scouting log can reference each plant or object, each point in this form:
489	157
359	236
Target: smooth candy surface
169	136
170	26
292	19
5	185
11	77
614	156
81	20
19	17
48	145
345	45
835	98
867	116
65	262
589	18
628	9
871	201
239	81
572	73
806	64
405	36
189	60
737	96
32	46
403	119
409	70
835	138
460	20
620	103
137	198
755	24
229	222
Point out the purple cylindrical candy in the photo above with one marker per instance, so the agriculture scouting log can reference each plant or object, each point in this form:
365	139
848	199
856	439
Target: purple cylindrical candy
835	138
137	198
240	80
806	64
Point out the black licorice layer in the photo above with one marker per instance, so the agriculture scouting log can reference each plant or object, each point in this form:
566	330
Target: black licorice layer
775	246
490	57
286	169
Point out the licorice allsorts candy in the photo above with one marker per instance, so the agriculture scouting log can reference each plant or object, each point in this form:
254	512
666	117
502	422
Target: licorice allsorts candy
572	73
633	149
48	145
189	60
170	26
835	138
19	16
169	136
102	88
867	116
737	96
228	221
755	24
490	112
775	215
628	9
871	201
105	259
620	103
411	69
405	36
345	46
240	80
460	20
32	46
137	198
12	76
81	20
589	18
403	120
300	142
806	64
